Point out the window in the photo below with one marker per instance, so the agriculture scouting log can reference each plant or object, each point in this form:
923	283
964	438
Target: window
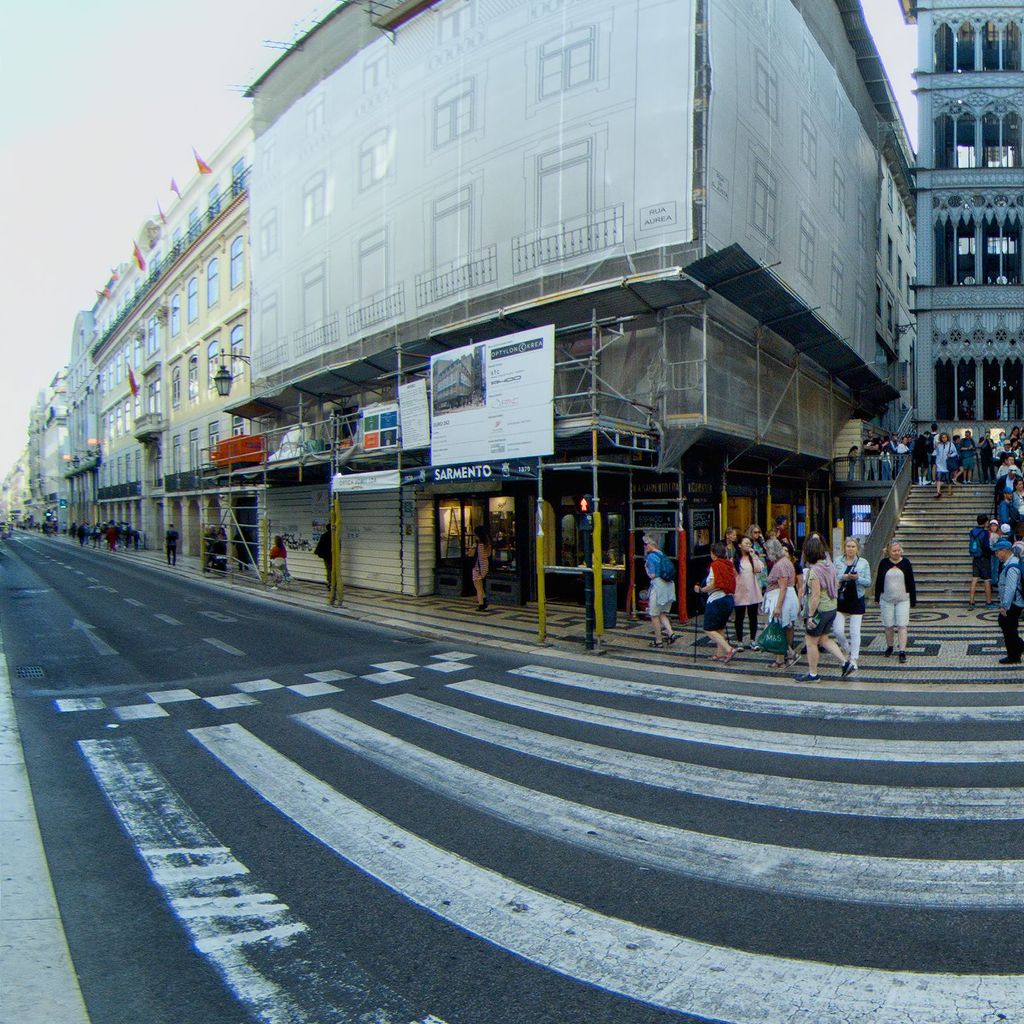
955	142
268	234
805	257
454	113
193	448
118	369
943	49
838	189
153	397
212	283
566	62
1000	140
315	116
212	363
888	315
808	144
453	19
194	224
1001	255
236	269
888	253
176	387
899	271
374	72
176	454
374	158
764	196
237	342
175	315
193	300
862	223
888	190
213	434
238	177
193	378
127	417
214	199
766	88
314	197
118	421
964	49
237	426
836	284
878	301
314	296
453	225
565	183
152	338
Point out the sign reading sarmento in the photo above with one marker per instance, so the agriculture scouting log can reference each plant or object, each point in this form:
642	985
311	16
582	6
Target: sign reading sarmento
494	400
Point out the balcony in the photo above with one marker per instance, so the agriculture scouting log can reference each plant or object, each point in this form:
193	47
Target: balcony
458	275
150	427
578	236
321	337
378	308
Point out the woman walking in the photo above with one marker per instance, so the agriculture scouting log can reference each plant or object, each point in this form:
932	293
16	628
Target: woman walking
278	563
822	588
854	575
660	594
747	599
945	454
780	600
719	587
481	565
896	594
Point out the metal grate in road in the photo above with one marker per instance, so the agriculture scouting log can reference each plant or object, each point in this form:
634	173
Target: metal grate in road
30	672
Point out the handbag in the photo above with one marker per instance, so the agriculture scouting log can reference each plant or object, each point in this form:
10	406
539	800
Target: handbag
773	638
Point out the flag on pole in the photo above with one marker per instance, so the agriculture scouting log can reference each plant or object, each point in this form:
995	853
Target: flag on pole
204	167
175	189
140	261
132	382
159	209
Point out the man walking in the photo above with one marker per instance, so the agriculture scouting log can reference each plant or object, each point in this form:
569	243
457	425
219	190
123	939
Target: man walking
171	543
981	561
1010	601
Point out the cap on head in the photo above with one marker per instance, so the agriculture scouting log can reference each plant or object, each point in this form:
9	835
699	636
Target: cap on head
1002	545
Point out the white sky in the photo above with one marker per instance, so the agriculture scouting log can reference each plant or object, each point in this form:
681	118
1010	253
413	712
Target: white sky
103	102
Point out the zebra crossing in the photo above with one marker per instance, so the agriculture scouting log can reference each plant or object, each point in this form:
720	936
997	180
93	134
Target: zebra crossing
618	829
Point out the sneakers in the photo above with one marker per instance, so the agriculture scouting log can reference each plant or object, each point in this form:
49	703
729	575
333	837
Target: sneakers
1009	661
848	669
903	657
808	677
888	652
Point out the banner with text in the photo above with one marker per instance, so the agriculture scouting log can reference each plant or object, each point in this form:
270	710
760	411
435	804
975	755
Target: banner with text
494	400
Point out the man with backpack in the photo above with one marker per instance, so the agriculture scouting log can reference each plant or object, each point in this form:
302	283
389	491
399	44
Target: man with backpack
981	561
1011	601
661	592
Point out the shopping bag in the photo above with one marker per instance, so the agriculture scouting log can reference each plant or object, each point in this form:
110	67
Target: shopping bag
773	638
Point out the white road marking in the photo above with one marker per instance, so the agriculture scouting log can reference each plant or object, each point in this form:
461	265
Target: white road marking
134	603
218	616
851	878
333	675
172	696
665	970
167	619
257	686
80	704
230	700
394	666
386	677
796	744
98	586
314	689
102	648
811	795
221	646
448	666
133	712
819	710
454	656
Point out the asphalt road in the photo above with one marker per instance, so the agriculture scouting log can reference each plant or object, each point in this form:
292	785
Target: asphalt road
259	813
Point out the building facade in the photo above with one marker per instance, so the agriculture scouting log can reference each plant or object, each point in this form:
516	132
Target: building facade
81	469
695	206
970	288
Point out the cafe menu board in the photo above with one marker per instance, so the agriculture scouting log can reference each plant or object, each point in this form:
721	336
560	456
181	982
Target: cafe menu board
494	400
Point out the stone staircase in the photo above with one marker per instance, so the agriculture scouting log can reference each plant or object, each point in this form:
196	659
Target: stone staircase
933	533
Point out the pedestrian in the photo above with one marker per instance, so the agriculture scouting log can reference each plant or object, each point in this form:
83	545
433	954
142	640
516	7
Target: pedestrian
945	456
854	575
661	592
278	563
822	591
896	594
933	441
968	448
1011	602
780	600
986	466
731	542
1017	503
720	586
171	545
748	596
919	458
111	534
325	551
83	534
782	533
758	546
481	565
980	549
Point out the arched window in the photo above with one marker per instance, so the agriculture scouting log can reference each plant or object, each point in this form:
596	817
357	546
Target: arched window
965	389
176	387
945	254
1000	140
1000	252
966	155
943	49
212	282
1001	389
965	60
212	362
991	47
193	300
175	315
193	378
1011	47
152	338
237	341
237	269
955	141
966	253
945	388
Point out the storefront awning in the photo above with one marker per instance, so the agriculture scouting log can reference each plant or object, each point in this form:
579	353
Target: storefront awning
751	286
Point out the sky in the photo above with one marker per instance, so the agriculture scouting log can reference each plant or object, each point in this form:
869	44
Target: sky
101	112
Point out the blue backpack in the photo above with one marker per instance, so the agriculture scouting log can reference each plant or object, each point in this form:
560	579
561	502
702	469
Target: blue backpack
666	570
974	545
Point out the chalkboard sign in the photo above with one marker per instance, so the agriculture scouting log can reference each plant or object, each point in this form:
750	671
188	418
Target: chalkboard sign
661	519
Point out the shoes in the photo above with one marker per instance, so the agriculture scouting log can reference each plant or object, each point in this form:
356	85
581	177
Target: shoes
808	677
848	669
483	607
1009	661
888	652
755	647
670	638
657	643
903	657
970	606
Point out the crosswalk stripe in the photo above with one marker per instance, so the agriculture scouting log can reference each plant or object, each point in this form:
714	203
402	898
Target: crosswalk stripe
665	970
262	950
792	794
796	744
851	878
819	710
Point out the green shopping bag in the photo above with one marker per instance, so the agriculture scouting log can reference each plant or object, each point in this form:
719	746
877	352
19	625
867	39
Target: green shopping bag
773	638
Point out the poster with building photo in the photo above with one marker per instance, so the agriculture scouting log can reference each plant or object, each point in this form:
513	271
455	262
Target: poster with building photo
494	400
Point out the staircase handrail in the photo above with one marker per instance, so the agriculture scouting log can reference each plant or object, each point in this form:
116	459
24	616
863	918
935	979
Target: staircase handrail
888	516
903	428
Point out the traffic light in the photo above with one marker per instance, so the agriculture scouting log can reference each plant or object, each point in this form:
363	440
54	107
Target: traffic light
585	507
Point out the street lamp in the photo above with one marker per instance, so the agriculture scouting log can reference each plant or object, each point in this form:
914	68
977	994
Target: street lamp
223	378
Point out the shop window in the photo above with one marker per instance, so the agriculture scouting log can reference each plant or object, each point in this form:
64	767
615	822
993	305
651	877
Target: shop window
502	524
